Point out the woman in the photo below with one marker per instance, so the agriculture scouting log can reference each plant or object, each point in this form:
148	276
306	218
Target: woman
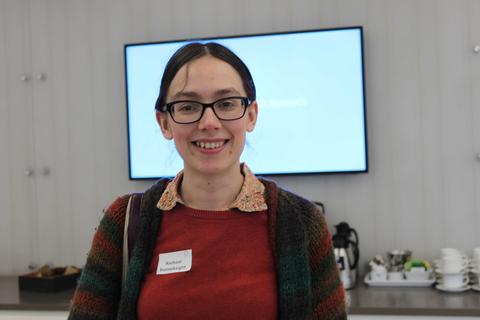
215	242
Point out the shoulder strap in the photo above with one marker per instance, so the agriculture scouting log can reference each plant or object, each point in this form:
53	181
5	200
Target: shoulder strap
132	219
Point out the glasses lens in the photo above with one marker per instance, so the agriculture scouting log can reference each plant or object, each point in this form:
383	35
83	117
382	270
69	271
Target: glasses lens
229	108
186	111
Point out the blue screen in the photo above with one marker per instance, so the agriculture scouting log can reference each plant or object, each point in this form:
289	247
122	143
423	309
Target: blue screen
310	96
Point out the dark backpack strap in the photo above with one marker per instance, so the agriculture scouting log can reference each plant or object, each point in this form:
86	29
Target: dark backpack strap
133	221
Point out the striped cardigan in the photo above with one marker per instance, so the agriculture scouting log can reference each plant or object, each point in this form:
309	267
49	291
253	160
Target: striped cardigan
308	283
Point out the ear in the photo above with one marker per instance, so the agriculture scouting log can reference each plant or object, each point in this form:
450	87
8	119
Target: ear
252	114
162	119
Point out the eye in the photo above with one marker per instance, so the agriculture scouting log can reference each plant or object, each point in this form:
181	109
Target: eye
227	104
187	107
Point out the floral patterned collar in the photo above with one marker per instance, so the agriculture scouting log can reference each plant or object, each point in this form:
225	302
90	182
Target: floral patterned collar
250	199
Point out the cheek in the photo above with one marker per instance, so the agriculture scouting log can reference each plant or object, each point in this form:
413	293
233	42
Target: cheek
239	132
180	138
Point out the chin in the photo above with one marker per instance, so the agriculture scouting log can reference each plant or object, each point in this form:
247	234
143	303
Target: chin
215	167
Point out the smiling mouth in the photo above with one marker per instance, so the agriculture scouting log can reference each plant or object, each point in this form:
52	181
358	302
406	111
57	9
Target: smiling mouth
210	145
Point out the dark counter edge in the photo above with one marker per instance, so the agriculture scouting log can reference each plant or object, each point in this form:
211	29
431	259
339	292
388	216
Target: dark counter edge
351	311
33	307
413	312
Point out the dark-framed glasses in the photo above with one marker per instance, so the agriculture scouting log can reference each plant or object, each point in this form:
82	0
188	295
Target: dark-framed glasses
187	111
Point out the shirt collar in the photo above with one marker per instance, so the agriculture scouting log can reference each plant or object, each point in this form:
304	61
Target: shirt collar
250	199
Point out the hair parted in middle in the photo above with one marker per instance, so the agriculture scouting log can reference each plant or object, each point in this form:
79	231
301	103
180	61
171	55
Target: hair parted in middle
196	50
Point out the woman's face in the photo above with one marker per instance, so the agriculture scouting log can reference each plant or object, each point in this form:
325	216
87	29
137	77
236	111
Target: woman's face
208	79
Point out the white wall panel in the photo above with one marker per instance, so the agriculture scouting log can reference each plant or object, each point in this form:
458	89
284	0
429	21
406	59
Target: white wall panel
5	139
456	123
117	36
405	122
432	178
278	13
181	20
377	70
304	14
159	20
58	51
20	212
327	14
202	19
473	9
43	125
352	13
256	16
226	16
99	56
81	122
138	20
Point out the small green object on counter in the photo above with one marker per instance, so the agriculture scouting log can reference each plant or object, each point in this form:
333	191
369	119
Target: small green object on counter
416	263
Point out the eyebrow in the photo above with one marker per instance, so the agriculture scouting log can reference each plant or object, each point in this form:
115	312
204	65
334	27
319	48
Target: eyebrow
195	95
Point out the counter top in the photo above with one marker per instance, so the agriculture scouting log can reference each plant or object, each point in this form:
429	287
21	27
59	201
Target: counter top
13	299
411	301
361	300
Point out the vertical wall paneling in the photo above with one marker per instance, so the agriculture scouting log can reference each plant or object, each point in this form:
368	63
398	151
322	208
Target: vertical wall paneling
377	69
58	83
456	123
31	215
280	14
117	36
181	19
256	16
160	20
432	166
473	9
305	14
43	119
19	156
82	130
100	113
405	124
327	14
5	141
203	20
226	16
138	21
352	13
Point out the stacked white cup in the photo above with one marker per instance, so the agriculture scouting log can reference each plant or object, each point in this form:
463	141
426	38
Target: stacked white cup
452	270
475	269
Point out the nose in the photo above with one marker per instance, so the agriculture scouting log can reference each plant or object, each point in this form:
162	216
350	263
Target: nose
209	120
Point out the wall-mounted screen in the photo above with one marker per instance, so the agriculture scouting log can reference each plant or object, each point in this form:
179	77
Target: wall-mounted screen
310	93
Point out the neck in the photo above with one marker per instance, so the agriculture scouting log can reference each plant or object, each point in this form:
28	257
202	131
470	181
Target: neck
211	192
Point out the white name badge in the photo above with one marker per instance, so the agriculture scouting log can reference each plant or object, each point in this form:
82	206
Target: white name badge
173	262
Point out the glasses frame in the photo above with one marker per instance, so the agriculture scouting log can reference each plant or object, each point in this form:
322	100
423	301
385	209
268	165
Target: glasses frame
169	107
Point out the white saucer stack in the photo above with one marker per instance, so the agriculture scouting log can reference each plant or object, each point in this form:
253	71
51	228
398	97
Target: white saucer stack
475	269
452	271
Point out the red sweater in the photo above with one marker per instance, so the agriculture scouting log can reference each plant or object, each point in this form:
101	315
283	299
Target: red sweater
232	274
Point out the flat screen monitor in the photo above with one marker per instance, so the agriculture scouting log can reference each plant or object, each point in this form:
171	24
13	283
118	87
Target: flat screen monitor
310	93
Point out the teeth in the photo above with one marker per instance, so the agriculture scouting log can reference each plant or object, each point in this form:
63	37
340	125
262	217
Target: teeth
209	145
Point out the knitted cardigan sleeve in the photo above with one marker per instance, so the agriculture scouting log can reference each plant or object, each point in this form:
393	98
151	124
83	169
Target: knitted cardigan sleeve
99	287
328	297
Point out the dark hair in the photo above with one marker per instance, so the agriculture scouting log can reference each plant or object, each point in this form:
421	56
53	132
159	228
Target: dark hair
196	50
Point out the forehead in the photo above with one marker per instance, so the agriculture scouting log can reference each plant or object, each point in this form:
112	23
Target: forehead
206	77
